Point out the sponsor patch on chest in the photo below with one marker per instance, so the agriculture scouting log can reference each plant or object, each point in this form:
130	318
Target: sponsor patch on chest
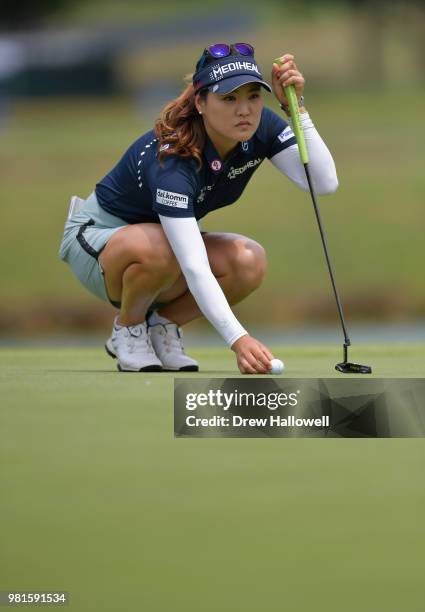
234	172
170	198
286	134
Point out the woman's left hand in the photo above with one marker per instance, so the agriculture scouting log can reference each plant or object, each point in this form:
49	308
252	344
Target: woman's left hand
286	74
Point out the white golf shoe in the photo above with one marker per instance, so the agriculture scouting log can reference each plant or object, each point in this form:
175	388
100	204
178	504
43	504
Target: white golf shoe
132	347
168	344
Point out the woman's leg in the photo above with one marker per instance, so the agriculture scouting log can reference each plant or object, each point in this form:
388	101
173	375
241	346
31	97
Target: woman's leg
140	267
238	263
138	264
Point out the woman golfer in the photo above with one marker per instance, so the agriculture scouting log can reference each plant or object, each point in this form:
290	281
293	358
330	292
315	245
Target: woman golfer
135	241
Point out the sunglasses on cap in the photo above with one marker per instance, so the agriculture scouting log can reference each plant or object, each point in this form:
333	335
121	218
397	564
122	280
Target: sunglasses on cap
220	50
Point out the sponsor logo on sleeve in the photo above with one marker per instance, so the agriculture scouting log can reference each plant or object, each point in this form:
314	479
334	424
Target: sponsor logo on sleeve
170	198
286	134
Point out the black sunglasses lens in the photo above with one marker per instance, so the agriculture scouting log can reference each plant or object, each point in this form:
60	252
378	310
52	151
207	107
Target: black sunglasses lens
223	50
219	50
244	48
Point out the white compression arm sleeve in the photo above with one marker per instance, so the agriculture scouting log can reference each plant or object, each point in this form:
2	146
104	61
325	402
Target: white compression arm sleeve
186	241
321	164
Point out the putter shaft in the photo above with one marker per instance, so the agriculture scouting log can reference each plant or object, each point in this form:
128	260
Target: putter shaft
347	342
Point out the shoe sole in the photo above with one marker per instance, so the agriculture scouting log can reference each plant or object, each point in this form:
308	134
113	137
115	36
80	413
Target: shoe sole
188	368
151	368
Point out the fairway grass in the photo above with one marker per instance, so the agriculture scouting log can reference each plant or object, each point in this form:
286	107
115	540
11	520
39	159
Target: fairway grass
100	500
393	360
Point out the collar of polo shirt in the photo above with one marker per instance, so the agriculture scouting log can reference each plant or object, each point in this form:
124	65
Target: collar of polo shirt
211	155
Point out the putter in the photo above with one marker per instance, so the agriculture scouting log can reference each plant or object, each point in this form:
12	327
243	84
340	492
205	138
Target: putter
346	367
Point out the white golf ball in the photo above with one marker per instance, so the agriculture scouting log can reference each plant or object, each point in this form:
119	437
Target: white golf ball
277	366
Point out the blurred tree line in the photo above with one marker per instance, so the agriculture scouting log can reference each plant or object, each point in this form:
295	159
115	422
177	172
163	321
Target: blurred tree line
375	25
373	22
29	13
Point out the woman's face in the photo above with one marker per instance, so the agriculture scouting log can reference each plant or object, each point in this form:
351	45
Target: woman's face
234	116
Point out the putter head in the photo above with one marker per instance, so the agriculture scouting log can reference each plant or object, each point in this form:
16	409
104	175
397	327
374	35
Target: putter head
347	367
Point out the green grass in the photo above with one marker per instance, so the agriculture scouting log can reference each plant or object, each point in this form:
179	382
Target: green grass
100	500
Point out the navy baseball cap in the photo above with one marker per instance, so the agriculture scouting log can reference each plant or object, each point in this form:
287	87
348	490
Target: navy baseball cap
226	74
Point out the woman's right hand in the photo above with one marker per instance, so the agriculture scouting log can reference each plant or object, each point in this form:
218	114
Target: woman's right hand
252	356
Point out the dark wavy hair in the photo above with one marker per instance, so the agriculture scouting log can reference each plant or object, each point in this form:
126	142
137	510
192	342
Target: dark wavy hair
181	127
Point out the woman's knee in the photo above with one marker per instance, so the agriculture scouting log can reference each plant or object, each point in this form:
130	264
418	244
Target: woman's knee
244	259
147	246
251	263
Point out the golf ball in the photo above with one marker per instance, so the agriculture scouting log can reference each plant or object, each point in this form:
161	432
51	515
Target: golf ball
277	366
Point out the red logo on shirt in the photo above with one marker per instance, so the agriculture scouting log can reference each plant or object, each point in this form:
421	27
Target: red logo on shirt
216	164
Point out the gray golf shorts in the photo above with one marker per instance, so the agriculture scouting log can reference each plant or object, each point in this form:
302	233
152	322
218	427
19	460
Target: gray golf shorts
87	230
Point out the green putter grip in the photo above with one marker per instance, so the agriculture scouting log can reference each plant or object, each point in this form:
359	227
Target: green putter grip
296	120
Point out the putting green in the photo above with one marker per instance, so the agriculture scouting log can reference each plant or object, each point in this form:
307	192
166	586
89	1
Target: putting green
100	500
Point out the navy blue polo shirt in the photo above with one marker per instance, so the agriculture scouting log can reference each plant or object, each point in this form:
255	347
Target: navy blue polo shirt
139	188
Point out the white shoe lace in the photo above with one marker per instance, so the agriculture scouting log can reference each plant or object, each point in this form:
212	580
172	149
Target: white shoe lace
137	341
172	342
